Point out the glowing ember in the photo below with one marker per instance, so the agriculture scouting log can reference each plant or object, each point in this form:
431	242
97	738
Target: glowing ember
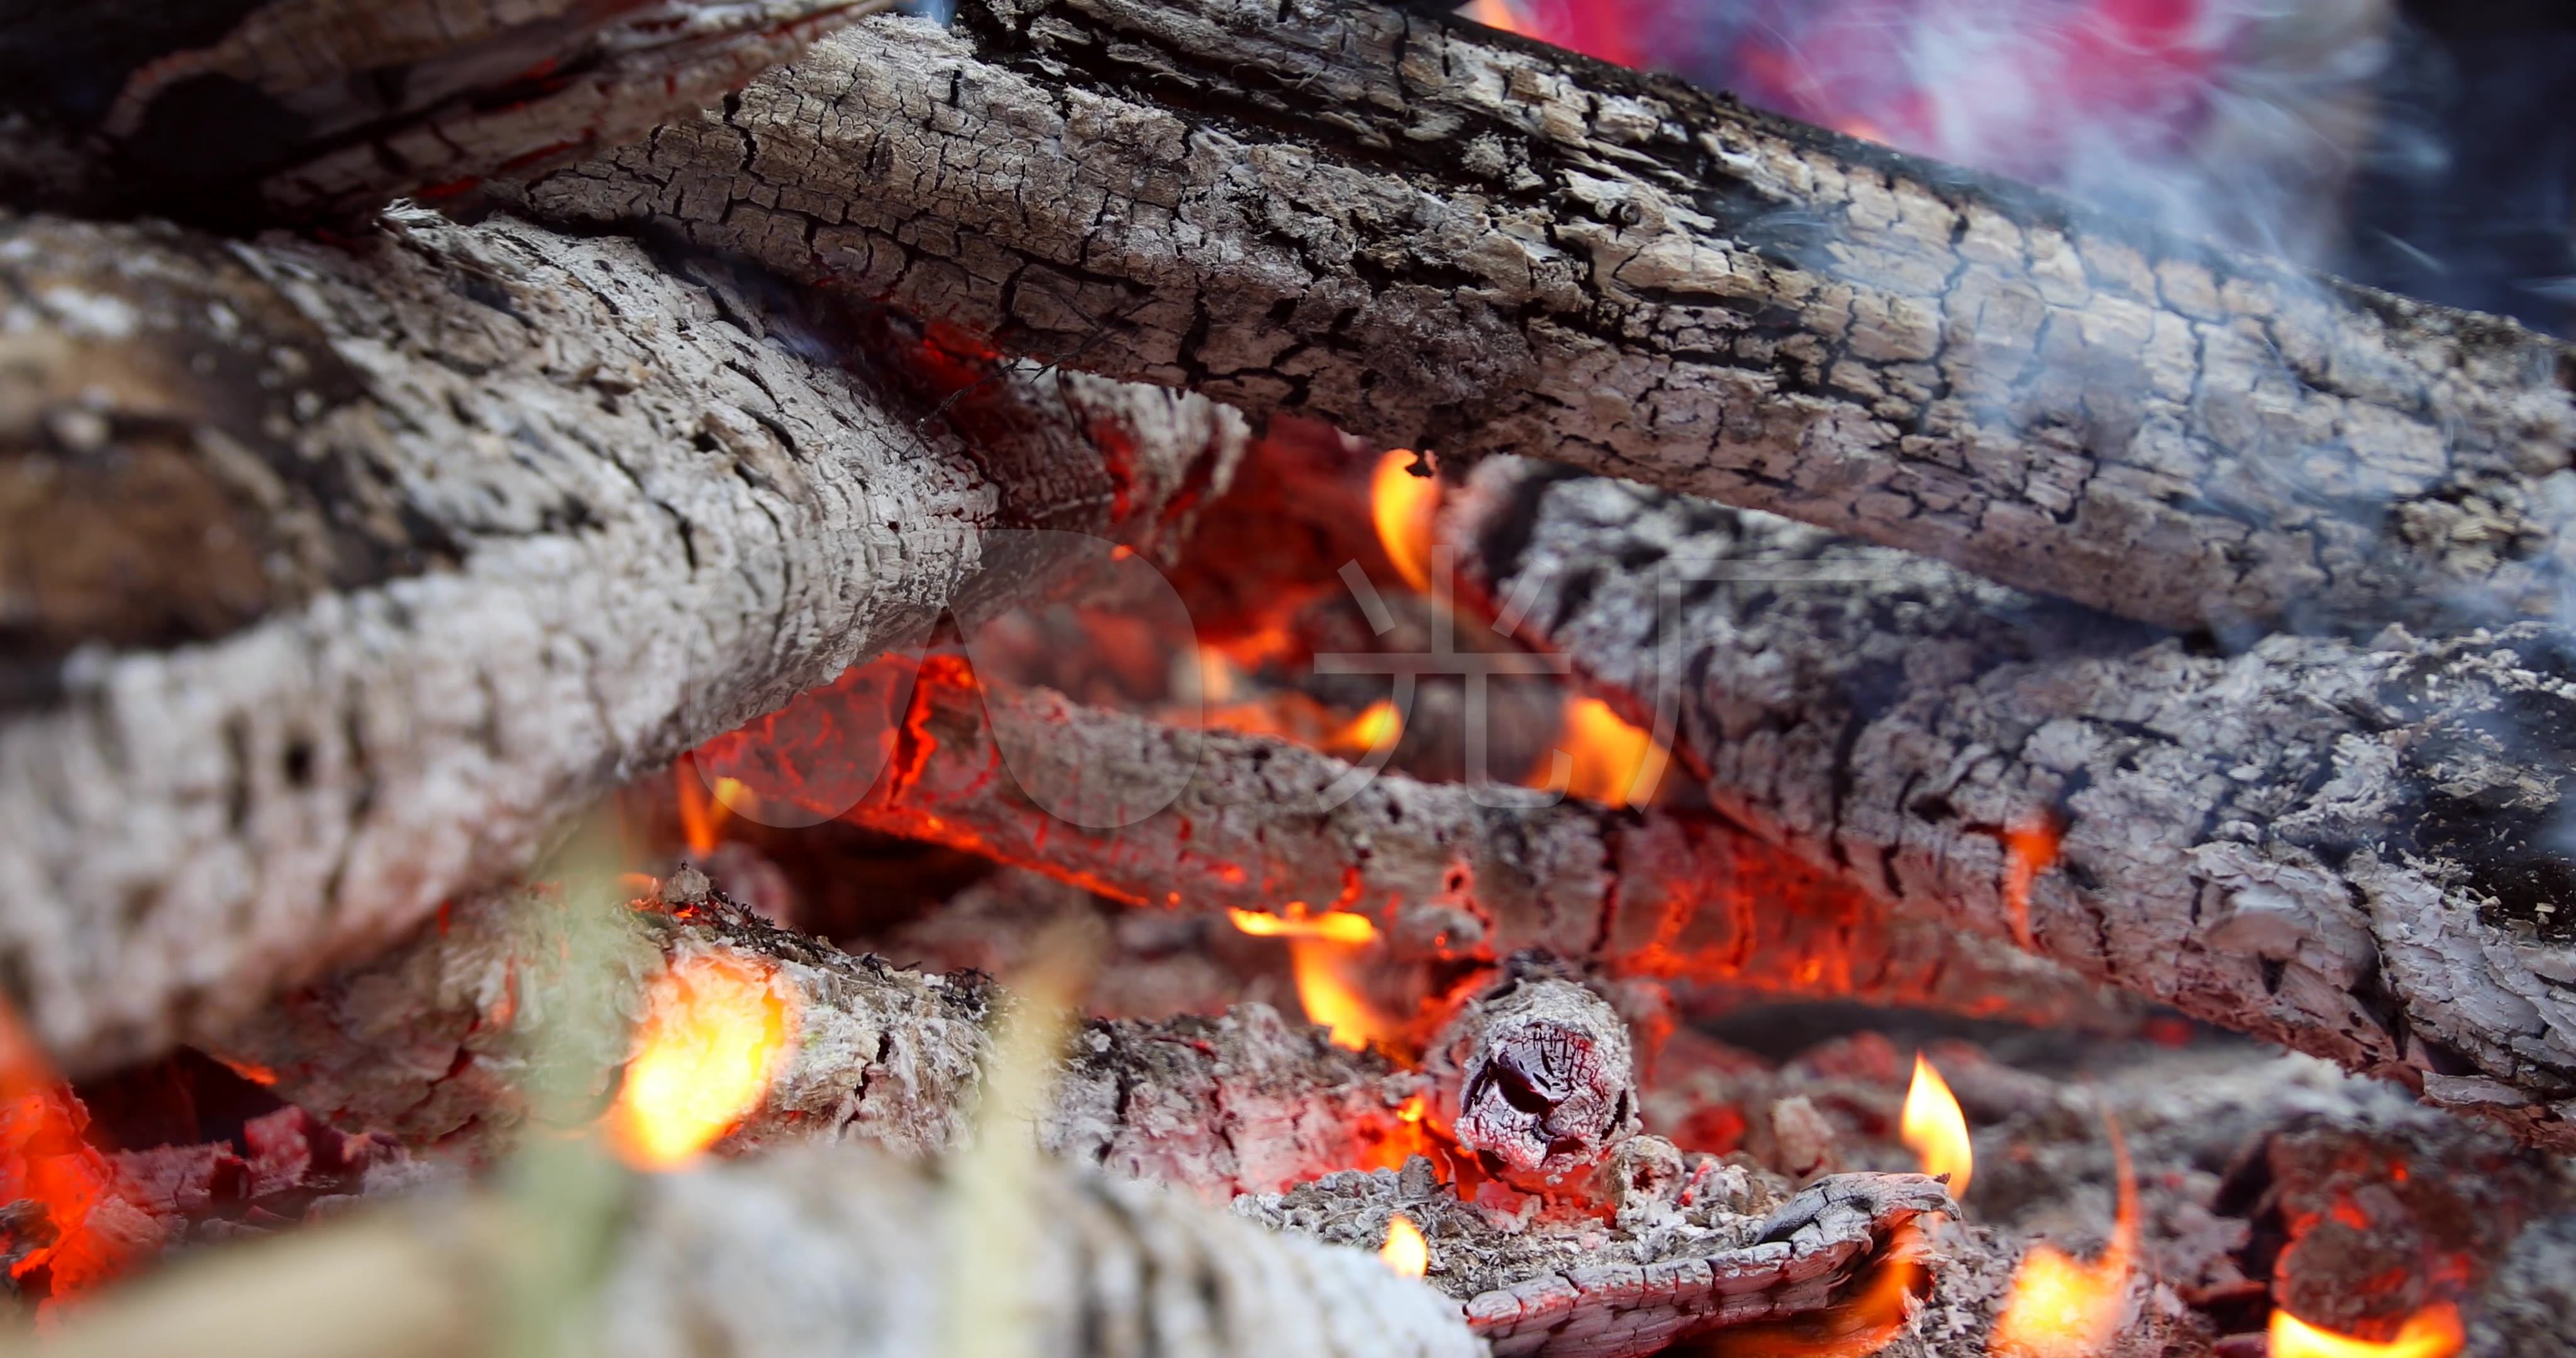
1323	952
45	1158
1405	1251
712	1034
1613	761
1868	1321
2061	1307
2030	848
1934	1129
2433	1332
1403	505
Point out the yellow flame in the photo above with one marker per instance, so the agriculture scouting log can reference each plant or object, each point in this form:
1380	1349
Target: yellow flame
1405	1251
713	1030
1613	761
1934	1129
1333	926
1403	505
1497	14
1322	950
1379	724
700	817
2061	1307
2433	1332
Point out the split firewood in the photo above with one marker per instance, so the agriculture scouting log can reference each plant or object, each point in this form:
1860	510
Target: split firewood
1251	826
828	1250
347	575
246	112
1432	234
2355	850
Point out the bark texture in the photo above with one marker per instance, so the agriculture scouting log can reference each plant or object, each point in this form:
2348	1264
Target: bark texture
492	519
432	1044
2353	849
1692	1247
1429	233
242	112
1248	823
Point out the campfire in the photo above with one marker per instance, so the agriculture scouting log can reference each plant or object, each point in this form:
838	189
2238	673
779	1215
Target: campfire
1101	677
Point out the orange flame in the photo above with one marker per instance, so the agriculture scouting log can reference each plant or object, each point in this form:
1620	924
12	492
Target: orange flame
2030	848
1322	951
2063	1308
1614	762
1378	724
1497	14
1403	505
1405	1251
712	1036
1934	1129
2433	1332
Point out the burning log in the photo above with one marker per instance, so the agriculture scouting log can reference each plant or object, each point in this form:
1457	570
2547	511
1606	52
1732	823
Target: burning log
448	532
430	1043
1690	1252
246	113
2345	848
1434	235
1672	897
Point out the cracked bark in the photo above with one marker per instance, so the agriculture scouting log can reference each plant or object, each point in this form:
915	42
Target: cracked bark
500	518
2347	848
242	113
1429	233
1669	897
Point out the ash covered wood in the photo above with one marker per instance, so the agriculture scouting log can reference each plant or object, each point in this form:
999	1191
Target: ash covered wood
1693	1245
1535	1076
1434	235
431	1044
493	518
2345	847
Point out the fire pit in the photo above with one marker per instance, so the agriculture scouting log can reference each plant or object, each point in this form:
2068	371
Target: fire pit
1200	677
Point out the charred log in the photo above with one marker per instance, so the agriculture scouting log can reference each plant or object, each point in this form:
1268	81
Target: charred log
1429	233
491	519
1253	824
2336	846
